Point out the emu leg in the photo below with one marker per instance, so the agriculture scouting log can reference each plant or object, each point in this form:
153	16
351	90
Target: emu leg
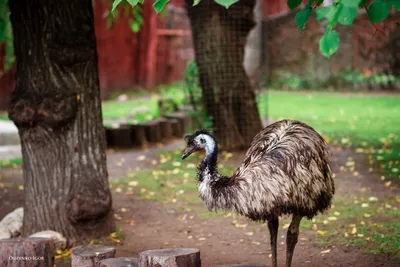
273	224
291	238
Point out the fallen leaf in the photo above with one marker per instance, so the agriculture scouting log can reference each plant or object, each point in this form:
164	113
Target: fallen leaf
325	251
249	233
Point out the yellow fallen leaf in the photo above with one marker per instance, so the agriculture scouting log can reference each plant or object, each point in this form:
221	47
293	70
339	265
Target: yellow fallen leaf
202	238
367	215
325	251
249	233
255	243
388	183
286	226
332	218
320	232
354	230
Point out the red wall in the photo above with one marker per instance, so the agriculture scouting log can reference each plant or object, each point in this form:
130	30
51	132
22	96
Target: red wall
130	60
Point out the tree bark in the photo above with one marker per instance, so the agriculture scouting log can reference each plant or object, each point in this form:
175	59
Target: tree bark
219	38
28	252
118	262
91	255
56	107
178	257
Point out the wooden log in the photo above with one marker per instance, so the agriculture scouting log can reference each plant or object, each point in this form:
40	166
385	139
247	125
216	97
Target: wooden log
184	120
176	128
152	131
178	257
118	262
165	128
90	255
138	135
241	265
121	137
28	252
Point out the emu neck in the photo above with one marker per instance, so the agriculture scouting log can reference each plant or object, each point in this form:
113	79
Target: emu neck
208	166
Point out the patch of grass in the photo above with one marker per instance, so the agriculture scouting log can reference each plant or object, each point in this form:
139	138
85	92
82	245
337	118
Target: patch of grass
370	122
369	224
11	163
148	101
4	116
171	180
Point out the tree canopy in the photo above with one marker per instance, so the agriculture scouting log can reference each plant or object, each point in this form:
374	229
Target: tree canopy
339	12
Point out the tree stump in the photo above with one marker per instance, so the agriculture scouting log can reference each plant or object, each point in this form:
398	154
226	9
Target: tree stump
138	135
121	137
28	252
89	256
183	119
241	265
176	128
179	257
152	131
118	262
165	128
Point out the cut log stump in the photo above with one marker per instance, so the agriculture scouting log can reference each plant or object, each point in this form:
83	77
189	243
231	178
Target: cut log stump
184	120
179	257
152	131
241	265
121	137
138	135
118	262
89	256
176	128
27	252
165	128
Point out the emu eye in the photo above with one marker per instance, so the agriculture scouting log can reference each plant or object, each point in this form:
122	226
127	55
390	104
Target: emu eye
202	140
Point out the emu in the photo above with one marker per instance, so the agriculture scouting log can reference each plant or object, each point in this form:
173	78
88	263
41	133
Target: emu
285	171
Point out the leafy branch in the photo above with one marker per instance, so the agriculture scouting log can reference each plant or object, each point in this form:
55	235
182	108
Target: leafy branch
343	12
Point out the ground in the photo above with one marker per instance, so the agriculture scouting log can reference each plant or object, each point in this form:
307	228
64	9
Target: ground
225	239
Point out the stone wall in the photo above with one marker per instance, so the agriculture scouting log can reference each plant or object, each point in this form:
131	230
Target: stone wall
287	51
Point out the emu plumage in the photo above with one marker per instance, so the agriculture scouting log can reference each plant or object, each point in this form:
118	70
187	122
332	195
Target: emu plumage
285	171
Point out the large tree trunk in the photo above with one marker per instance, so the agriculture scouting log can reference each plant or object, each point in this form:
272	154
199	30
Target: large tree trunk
219	38
56	107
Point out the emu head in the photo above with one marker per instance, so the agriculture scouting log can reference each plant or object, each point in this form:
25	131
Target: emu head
200	140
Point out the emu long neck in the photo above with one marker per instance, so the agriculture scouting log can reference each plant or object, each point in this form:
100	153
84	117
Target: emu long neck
216	190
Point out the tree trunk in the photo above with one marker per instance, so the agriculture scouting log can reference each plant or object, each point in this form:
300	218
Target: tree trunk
219	38
56	107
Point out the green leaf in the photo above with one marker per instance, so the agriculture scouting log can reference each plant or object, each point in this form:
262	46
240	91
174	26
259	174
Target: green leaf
159	5
378	11
292	4
351	3
363	3
141	1
133	3
396	4
226	3
347	15
302	17
135	26
329	43
114	5
196	2
325	12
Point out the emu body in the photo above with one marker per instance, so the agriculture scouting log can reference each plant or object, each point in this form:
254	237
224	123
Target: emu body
285	171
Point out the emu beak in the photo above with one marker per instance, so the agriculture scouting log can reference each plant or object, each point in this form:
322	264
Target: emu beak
188	151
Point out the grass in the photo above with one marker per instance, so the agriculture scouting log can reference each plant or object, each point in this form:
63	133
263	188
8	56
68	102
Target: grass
370	124
11	163
365	222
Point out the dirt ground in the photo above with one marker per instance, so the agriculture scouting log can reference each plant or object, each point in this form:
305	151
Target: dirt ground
220	242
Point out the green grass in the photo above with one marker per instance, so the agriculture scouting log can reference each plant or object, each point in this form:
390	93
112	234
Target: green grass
370	225
368	123
172	181
11	163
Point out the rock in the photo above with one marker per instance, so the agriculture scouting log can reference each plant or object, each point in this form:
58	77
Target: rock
4	234
59	240
12	222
